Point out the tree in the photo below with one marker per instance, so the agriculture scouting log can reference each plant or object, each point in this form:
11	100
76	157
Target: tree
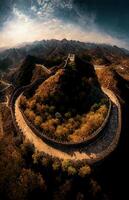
72	171
64	190
45	161
47	127
38	120
41	159
23	101
37	157
75	137
26	112
39	108
65	164
27	150
85	170
11	163
95	188
106	78
61	132
27	185
32	103
56	165
51	109
68	115
31	115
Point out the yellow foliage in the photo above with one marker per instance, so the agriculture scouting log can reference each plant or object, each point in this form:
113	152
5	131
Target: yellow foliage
61	131
47	127
30	114
106	78
31	103
85	170
90	123
38	120
23	100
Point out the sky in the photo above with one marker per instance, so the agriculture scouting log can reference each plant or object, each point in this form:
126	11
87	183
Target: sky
99	21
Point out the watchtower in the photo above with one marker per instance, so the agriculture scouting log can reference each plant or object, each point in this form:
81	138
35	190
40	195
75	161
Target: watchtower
71	57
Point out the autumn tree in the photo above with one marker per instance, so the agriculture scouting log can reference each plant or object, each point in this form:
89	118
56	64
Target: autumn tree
72	171
56	165
23	101
27	185
84	170
27	150
30	114
31	103
38	120
66	164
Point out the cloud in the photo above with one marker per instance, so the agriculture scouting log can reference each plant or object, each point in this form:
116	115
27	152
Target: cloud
22	28
56	3
49	7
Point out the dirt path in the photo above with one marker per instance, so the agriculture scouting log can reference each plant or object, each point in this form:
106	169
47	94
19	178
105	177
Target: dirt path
91	153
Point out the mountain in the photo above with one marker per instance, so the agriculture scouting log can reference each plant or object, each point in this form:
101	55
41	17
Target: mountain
27	72
54	52
67	104
62	88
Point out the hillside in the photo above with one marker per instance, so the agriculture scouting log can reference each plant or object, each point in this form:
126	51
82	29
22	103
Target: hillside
69	105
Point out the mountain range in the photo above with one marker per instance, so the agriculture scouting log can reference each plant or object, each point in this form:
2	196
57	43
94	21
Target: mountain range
55	51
